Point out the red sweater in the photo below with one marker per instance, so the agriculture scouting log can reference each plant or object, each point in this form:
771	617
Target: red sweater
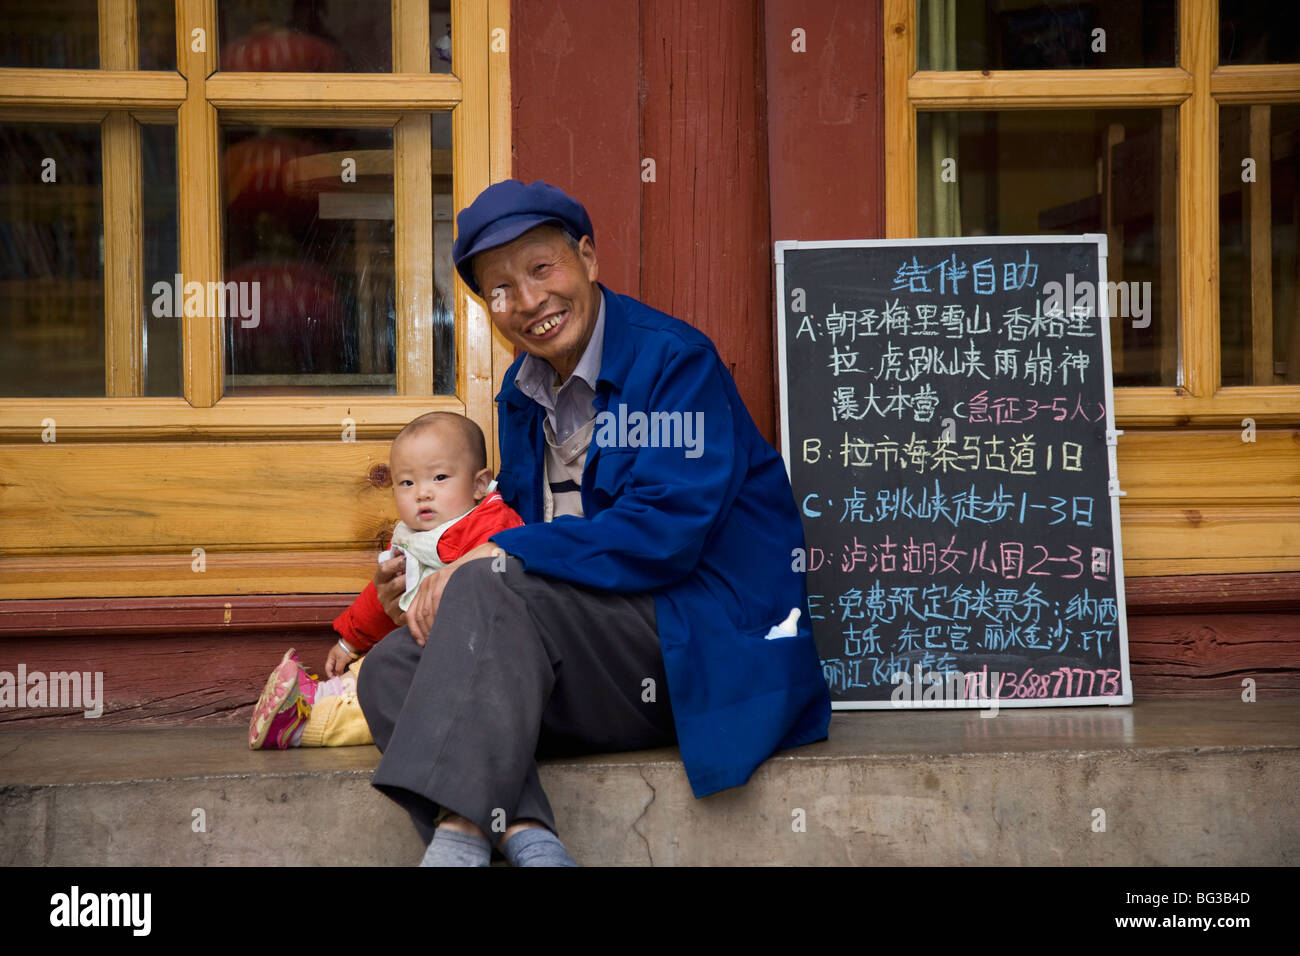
365	622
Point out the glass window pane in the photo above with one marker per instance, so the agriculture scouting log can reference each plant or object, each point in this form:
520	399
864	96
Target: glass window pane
1028	172
157	19
308	230
162	335
1045	34
51	261
440	36
51	34
1258	31
444	297
1259	269
306	36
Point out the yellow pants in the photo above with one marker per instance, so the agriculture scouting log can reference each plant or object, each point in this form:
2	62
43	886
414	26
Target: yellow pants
337	721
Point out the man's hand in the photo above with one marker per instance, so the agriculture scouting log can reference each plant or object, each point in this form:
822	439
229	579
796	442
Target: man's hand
390	584
424	609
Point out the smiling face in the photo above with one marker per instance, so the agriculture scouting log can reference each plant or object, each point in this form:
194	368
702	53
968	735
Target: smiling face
434	476
542	294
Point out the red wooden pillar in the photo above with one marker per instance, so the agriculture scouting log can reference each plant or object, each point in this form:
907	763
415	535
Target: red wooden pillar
705	239
735	119
574	85
826	118
599	87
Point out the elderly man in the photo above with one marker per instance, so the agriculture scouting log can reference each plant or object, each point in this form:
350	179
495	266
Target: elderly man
649	597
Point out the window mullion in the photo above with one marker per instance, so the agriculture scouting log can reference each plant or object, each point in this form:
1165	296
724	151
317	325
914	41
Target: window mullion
501	168
123	213
413	209
469	177
1257	82
198	195
900	120
1198	207
1048	89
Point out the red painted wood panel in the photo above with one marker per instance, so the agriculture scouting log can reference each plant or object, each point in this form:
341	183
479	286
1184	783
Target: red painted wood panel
171	679
705	246
826	119
175	666
1214	592
216	677
171	615
596	88
574	86
1234	594
1209	655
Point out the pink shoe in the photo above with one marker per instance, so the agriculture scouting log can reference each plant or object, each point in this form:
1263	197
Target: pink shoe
284	705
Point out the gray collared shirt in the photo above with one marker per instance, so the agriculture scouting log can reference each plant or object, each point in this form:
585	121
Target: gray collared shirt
573	404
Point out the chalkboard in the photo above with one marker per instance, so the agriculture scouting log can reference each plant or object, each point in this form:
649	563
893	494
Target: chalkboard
947	422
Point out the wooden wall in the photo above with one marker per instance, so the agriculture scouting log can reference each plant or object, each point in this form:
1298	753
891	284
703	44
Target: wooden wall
753	142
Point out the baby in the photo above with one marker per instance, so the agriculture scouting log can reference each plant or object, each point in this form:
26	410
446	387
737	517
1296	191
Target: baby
446	499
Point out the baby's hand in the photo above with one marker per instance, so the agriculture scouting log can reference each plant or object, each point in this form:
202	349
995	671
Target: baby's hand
337	662
390	584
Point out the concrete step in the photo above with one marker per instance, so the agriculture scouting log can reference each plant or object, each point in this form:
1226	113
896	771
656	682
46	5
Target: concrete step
1173	782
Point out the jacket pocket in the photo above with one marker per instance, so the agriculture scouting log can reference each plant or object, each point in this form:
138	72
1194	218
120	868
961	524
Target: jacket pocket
783	630
612	475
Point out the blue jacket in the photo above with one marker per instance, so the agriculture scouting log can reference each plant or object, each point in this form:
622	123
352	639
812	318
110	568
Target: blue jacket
711	536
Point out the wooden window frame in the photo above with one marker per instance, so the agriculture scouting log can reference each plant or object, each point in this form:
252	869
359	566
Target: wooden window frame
1197	86
1199	500
196	96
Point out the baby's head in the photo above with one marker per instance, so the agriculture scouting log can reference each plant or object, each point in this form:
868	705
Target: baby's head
439	469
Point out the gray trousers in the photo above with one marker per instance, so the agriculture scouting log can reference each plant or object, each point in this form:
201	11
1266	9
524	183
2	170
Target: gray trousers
517	666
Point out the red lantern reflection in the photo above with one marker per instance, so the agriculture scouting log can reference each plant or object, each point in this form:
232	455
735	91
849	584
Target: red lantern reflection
300	322
275	49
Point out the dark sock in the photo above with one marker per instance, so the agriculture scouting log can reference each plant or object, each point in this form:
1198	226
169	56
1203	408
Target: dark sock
536	846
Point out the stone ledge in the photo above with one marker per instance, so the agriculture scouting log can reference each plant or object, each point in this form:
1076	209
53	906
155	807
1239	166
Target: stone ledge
1180	782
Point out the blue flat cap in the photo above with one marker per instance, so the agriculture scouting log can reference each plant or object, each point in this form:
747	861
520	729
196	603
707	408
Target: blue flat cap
505	211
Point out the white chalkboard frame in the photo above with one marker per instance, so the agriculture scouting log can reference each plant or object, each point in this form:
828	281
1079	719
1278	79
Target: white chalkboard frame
1125	697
